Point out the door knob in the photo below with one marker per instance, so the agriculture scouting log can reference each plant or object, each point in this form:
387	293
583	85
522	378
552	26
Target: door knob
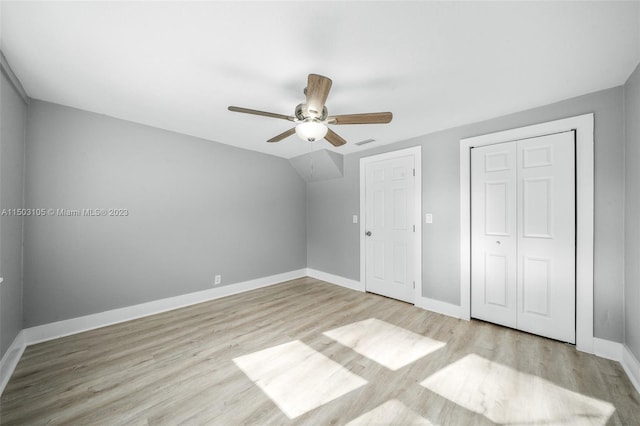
368	233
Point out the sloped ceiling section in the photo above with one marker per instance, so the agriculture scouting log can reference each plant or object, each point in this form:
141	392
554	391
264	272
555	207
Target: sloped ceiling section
178	65
318	165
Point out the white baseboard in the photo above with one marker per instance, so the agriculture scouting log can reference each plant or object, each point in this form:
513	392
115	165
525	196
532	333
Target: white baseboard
607	349
619	352
63	328
10	360
423	302
631	366
440	307
335	279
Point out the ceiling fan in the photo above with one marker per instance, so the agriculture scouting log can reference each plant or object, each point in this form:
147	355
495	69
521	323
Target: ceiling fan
312	117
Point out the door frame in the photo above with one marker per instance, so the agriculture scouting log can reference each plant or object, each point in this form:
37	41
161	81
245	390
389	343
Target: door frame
416	153
583	126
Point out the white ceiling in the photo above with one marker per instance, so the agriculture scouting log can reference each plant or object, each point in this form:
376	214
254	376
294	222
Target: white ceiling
178	65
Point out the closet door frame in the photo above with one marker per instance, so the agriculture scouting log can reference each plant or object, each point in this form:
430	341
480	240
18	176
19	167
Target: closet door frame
583	126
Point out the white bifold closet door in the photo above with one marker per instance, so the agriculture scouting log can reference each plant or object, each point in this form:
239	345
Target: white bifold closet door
523	235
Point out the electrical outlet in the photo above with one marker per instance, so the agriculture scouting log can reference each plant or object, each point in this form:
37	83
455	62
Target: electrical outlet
217	280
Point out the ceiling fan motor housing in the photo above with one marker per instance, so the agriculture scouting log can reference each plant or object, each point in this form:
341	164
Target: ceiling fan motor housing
304	113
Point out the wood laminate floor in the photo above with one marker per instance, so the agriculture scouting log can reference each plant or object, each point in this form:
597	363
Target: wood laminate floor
307	352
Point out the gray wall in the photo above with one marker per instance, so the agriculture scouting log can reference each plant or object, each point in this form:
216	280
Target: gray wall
632	213
196	208
13	118
333	241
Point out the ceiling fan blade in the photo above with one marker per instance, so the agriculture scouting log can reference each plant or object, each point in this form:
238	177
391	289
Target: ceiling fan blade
282	135
367	118
263	113
317	92
334	139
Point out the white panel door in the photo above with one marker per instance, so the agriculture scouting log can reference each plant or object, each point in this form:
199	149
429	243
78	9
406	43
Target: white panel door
523	235
546	236
389	189
493	233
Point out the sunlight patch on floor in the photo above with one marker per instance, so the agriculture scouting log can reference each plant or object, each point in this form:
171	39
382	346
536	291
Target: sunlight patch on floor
298	378
392	412
506	396
384	343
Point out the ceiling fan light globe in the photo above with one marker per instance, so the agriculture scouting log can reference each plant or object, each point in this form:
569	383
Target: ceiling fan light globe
311	131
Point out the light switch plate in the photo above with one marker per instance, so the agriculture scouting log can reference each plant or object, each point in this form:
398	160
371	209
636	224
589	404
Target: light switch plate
355	218
428	218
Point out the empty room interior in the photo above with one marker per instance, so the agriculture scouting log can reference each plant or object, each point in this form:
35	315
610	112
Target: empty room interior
346	212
